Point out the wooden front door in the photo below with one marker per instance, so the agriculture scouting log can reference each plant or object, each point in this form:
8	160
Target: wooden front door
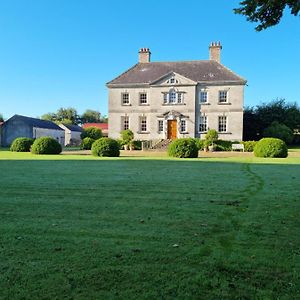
172	129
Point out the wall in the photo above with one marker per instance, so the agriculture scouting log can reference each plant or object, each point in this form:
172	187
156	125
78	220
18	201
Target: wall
59	135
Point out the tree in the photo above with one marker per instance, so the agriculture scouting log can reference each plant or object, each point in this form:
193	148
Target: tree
1	118
127	137
257	119
63	115
280	131
266	12
91	116
91	132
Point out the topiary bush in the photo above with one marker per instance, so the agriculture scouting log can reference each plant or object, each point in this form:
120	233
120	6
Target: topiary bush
46	145
222	145
91	132
270	147
86	143
106	147
21	144
200	144
183	148
249	146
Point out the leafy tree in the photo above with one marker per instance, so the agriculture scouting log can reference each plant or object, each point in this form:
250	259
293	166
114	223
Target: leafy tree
91	132
1	118
104	119
266	12
68	114
280	131
127	137
257	119
63	115
91	116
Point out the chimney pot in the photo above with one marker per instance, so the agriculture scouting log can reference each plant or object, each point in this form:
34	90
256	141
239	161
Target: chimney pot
215	51
144	55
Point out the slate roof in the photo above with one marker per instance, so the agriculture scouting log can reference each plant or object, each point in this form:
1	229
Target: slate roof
35	122
198	71
73	127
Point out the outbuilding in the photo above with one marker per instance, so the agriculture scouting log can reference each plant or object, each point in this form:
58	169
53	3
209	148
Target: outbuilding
22	126
72	134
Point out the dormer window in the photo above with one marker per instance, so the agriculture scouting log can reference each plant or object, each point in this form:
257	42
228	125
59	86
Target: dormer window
173	97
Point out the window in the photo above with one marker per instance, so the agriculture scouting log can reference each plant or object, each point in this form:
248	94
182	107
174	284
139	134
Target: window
143	98
203	124
183	126
222	123
203	97
179	98
222	96
125	98
160	125
143	124
173	97
125	123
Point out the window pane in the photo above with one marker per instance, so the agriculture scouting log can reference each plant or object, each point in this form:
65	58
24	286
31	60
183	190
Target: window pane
183	126
143	98
203	97
222	96
160	126
143	124
222	123
203	124
125	98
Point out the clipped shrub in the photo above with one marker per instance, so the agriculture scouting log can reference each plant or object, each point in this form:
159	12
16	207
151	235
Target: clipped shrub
46	145
86	143
183	148
200	144
249	145
91	132
106	147
222	145
280	131
211	136
127	136
270	147
21	144
137	145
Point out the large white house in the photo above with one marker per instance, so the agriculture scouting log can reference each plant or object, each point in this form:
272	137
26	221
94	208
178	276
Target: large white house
168	100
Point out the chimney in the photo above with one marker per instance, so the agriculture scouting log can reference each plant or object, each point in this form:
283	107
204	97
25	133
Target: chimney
215	51
144	55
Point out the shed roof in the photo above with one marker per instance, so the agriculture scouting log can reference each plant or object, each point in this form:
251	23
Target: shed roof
34	122
73	127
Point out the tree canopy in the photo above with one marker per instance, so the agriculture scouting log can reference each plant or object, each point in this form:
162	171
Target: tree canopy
266	12
91	116
257	119
1	118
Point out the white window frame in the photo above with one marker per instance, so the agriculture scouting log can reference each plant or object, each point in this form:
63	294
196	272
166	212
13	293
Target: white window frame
173	97
203	123
124	122
160	125
143	124
143	98
222	124
223	96
201	97
183	126
123	100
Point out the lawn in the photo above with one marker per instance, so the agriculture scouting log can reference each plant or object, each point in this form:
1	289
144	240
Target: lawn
78	227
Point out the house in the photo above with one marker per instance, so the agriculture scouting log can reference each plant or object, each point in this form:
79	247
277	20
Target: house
168	100
21	126
72	134
102	126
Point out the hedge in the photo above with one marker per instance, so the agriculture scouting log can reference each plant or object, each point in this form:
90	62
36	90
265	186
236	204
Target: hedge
270	147
46	145
21	144
183	148
106	147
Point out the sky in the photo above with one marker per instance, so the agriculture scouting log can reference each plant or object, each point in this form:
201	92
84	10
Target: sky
61	53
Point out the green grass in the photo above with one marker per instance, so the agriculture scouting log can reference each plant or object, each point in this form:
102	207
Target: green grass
78	227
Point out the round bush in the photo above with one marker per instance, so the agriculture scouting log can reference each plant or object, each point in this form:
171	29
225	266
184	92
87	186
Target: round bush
183	148
270	147
249	145
106	147
46	145
87	143
91	132
21	144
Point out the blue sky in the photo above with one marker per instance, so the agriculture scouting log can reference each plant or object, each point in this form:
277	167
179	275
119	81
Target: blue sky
60	53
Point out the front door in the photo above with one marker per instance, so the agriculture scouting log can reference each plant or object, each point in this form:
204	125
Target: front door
172	129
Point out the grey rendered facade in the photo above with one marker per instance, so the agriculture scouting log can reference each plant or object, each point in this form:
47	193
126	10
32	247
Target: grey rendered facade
167	100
